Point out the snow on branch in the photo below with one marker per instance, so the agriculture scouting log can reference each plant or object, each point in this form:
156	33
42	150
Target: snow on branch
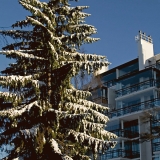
72	120
92	114
17	80
17	34
12	117
87	103
89	66
37	12
17	112
99	117
90	40
74	117
58	112
40	5
38	83
16	97
76	108
36	22
81	14
53	50
93	126
77	37
9	95
18	54
107	134
31	50
95	143
54	146
81	7
35	3
78	93
30	133
83	26
83	57
53	38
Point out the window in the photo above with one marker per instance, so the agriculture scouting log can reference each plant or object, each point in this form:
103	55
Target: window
131	125
129	69
135	83
138	78
158	64
109	80
156	158
99	95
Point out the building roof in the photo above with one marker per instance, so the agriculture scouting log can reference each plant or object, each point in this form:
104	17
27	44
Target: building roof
119	67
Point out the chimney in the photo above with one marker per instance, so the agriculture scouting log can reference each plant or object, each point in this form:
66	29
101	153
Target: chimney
145	49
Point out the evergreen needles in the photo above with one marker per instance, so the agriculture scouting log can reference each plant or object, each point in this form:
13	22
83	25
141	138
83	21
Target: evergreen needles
42	115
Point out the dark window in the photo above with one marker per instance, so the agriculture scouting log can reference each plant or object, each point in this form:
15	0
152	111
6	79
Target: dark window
129	69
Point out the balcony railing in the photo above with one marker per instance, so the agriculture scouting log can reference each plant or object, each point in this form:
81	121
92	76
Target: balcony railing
100	100
110	83
155	122
157	66
129	73
156	146
120	153
137	87
134	108
125	133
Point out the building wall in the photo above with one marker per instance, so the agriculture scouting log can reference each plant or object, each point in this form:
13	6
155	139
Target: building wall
133	90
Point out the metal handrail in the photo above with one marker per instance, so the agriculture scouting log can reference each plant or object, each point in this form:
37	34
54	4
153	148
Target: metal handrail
137	87
112	82
133	108
151	66
99	97
156	146
137	84
122	153
129	73
125	133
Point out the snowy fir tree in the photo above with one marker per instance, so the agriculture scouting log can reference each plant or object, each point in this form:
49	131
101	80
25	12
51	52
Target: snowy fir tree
42	115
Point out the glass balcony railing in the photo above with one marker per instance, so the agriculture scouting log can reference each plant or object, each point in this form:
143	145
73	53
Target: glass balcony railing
156	146
125	133
134	108
137	87
120	153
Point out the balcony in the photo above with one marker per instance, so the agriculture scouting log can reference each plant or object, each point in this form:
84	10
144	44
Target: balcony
156	147
125	133
136	87
134	108
120	153
110	83
100	100
157	65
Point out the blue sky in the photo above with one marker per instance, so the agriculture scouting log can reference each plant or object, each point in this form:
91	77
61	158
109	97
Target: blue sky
117	22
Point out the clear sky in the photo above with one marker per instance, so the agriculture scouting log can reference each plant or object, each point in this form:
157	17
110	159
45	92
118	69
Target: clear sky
117	22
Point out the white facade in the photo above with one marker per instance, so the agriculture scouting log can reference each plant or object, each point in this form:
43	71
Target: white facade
132	92
145	50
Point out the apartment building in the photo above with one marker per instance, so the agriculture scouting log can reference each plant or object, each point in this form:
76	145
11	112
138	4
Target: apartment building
132	91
